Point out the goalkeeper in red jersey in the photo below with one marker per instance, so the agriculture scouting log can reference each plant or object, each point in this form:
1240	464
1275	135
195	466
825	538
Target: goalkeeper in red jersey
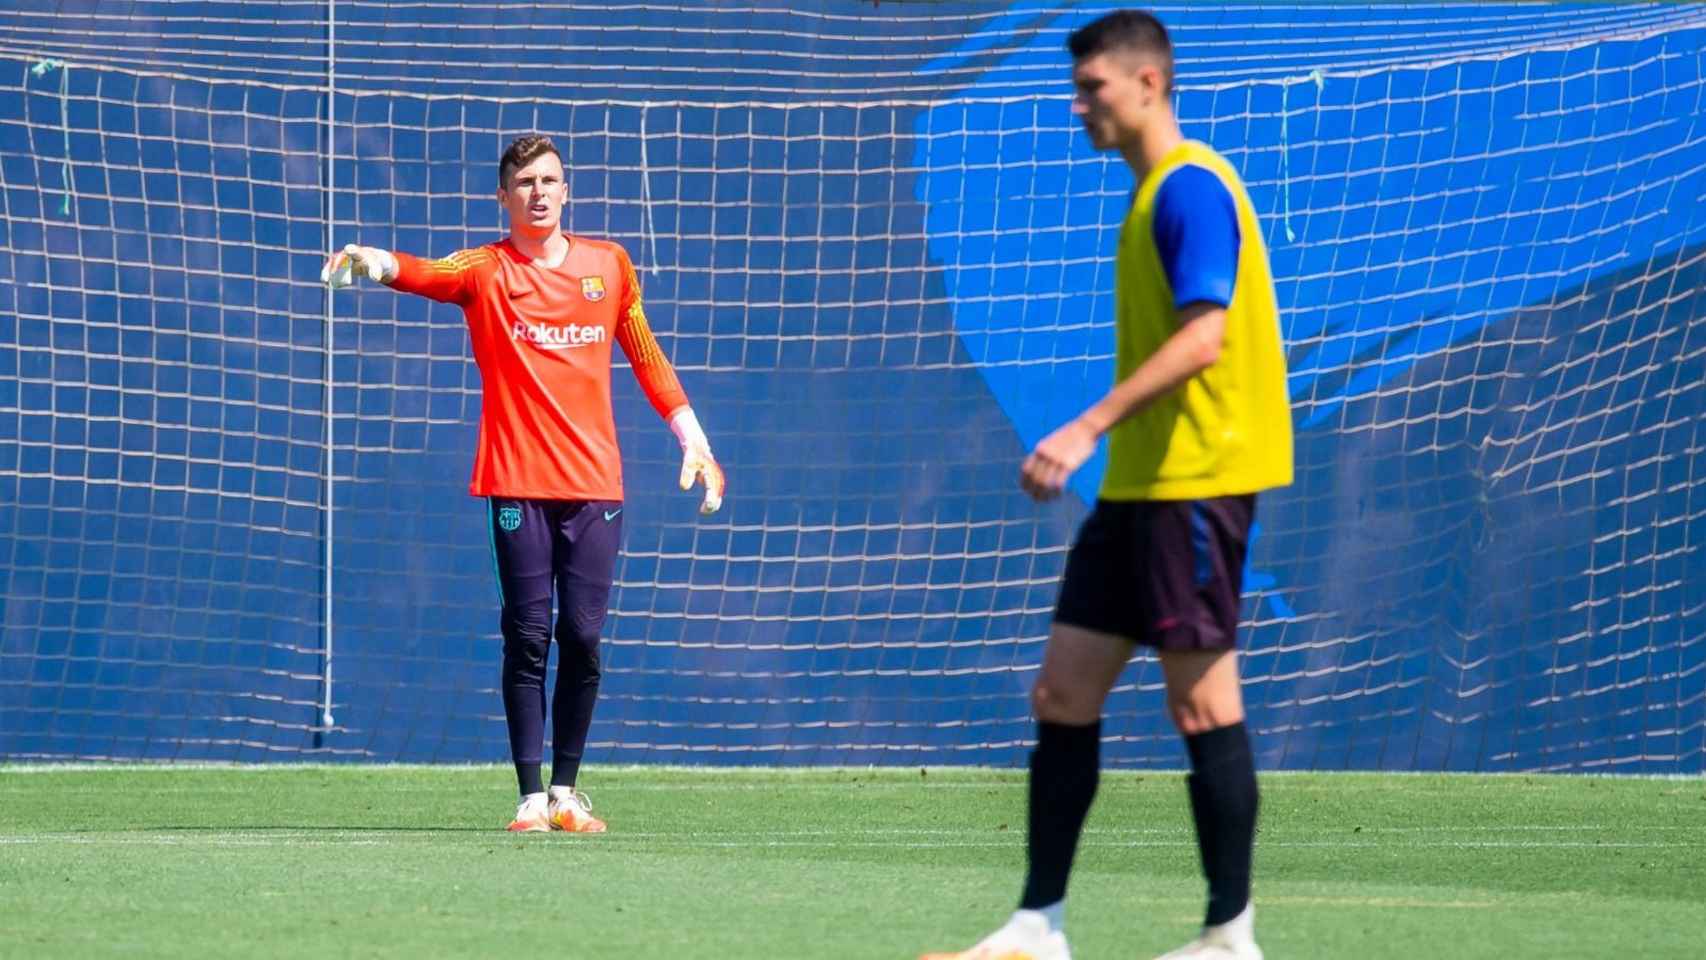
543	307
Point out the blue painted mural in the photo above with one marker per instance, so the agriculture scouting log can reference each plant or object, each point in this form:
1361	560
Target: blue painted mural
879	252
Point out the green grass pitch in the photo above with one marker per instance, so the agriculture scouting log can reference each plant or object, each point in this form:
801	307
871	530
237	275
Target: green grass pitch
412	862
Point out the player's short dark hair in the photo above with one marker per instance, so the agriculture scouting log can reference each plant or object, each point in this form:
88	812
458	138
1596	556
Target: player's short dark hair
1128	30
522	151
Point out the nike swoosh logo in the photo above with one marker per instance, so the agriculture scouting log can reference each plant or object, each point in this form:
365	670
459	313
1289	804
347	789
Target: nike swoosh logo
610	515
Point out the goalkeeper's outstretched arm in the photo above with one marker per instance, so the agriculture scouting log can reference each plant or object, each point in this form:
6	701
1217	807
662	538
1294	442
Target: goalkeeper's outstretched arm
448	280
371	262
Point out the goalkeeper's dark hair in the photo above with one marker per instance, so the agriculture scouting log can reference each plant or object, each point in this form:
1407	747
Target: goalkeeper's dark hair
1126	31
522	151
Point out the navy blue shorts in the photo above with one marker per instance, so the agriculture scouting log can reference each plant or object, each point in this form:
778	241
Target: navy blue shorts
1162	573
565	546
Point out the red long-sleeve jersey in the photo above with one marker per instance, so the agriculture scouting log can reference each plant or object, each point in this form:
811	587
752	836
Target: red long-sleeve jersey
542	338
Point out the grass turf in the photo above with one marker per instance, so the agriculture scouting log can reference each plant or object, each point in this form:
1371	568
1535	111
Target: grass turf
412	862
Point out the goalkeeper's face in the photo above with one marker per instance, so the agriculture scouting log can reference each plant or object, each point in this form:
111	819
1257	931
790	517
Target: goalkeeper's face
535	197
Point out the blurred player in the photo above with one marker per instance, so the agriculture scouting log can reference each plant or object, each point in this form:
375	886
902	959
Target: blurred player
1198	422
543	308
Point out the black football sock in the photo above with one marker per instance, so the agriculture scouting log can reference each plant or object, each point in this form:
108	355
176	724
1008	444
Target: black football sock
1224	799
1064	769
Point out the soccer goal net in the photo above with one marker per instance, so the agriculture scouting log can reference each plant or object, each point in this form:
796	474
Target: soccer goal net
878	249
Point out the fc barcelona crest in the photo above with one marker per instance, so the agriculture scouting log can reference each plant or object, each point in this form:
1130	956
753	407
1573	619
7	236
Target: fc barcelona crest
592	288
509	518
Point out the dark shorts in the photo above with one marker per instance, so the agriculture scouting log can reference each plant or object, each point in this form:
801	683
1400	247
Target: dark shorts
1162	573
566	547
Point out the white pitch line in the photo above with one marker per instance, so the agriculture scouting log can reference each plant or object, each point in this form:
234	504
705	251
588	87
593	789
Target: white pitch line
771	840
1269	836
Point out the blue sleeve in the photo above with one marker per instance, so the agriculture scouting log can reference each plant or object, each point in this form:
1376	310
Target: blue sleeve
1196	232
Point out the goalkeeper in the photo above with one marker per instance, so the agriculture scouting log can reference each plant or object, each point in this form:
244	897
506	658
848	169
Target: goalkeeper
542	308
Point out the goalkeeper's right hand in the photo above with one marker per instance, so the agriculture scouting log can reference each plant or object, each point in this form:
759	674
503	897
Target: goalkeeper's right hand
340	268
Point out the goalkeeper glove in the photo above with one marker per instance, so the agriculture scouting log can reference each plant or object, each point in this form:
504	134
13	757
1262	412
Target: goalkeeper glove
696	459
374	263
